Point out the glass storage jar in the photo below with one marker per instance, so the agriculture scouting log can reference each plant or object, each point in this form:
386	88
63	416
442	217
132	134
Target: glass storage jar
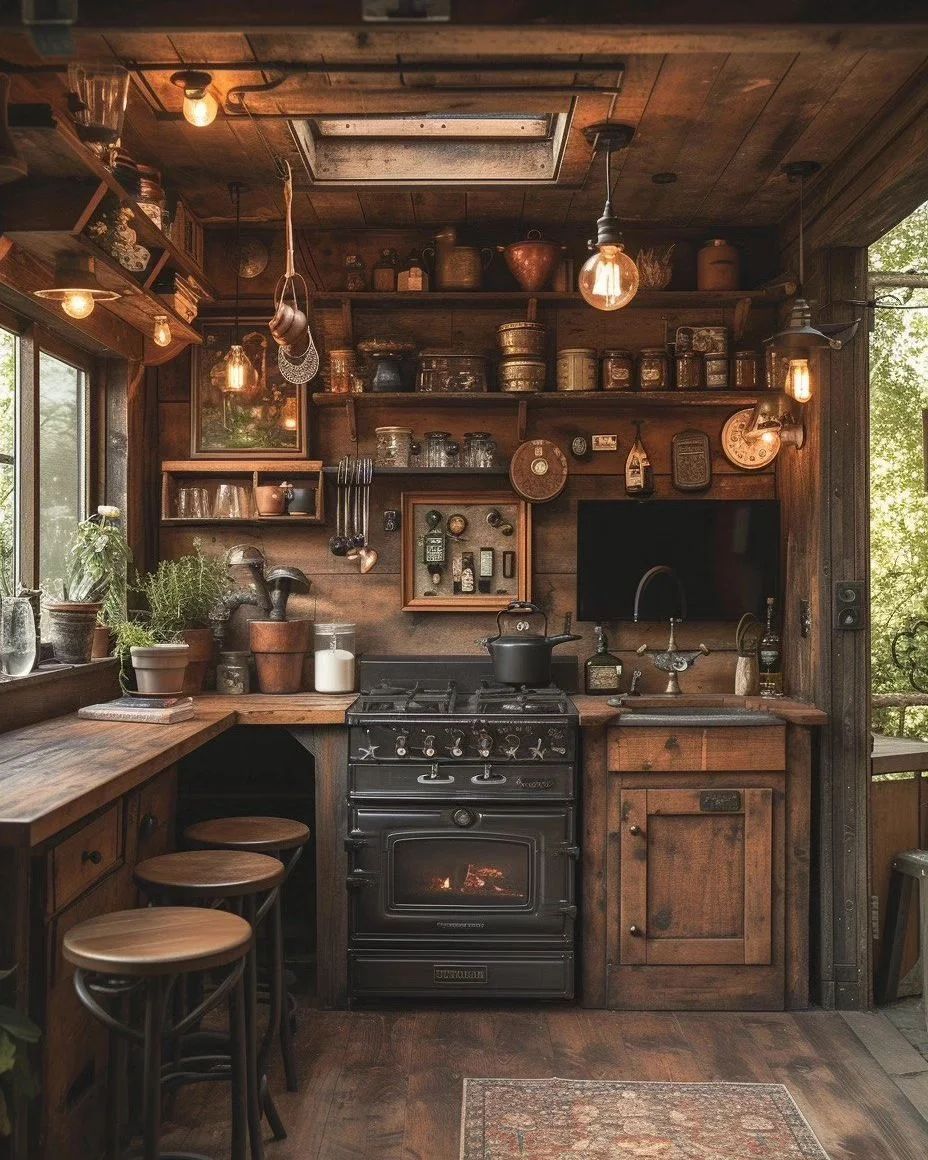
689	371
393	446
618	368
479	448
342	370
440	450
653	367
746	370
232	675
17	636
333	653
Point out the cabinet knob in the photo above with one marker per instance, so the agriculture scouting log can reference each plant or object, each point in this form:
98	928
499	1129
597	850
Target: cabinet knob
672	743
633	829
147	826
635	931
93	856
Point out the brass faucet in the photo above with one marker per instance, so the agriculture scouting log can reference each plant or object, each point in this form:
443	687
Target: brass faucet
671	660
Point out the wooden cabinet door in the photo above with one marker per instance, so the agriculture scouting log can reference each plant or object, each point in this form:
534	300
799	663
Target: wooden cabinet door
696	876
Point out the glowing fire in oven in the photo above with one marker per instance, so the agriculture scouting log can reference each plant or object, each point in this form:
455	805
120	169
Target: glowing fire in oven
477	880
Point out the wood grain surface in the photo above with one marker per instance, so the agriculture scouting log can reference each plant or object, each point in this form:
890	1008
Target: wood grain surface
209	873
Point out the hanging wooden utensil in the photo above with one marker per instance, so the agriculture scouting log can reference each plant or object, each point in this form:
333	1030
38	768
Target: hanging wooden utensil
538	470
290	324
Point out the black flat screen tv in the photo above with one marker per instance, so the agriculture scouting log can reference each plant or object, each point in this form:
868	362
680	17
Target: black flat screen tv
725	552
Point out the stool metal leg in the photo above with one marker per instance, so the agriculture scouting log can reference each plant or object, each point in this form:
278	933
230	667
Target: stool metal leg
280	1007
237	1051
151	1081
251	1041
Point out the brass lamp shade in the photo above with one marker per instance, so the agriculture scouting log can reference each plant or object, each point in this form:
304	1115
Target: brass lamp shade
76	274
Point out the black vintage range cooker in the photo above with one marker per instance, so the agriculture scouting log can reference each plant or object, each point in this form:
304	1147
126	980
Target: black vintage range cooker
462	832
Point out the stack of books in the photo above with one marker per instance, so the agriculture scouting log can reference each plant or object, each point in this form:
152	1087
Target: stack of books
152	710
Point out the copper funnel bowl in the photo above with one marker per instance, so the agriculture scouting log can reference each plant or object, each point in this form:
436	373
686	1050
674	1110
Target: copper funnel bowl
533	261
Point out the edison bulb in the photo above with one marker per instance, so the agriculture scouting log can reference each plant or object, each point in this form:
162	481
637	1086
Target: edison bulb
798	380
609	279
237	368
77	304
162	330
200	108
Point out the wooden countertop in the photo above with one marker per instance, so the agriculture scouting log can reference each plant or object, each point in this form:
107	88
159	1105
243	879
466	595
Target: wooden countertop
594	711
56	772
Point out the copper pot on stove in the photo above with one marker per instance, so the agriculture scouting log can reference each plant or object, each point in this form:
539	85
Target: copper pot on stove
533	261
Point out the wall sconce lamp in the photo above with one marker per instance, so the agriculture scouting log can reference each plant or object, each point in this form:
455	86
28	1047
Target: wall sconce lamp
775	420
608	279
200	106
76	287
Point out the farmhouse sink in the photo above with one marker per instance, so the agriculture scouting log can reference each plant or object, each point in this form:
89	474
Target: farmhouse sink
687	715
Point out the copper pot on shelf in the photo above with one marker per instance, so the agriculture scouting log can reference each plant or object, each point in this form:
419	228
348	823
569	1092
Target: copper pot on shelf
532	262
457	267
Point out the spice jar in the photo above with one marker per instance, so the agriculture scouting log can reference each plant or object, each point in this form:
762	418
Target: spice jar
355	274
342	370
479	447
333	653
393	446
413	275
689	371
232	676
746	370
440	451
653	369
384	273
716	372
617	371
576	369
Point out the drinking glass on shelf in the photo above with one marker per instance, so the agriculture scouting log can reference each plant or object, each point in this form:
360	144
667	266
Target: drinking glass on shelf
230	502
192	503
17	636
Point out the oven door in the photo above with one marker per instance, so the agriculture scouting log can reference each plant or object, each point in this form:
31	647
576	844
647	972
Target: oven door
459	872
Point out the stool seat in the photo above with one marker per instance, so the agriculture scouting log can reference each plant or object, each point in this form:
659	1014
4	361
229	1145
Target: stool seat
164	940
211	873
249	833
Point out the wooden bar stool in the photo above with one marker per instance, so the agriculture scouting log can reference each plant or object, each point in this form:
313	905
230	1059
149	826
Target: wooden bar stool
909	867
236	879
149	949
284	838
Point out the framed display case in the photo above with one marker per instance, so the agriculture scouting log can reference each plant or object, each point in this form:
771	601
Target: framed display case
464	552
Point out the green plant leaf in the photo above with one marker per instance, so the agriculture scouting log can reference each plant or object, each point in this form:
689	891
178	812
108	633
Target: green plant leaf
5	1126
20	1026
7	1053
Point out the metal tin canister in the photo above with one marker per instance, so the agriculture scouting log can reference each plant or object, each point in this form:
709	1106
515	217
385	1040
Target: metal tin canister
618	370
716	372
746	370
576	369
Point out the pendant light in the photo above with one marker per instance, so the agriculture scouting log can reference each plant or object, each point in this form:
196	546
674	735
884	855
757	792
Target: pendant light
609	278
200	106
75	286
238	367
792	349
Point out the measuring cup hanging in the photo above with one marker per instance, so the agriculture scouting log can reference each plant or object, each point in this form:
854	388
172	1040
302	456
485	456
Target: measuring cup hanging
290	323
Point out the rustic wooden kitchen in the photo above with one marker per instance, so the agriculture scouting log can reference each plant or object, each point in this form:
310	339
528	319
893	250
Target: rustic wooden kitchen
434	570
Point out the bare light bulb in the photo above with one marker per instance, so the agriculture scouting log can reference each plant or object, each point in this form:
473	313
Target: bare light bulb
200	107
798	380
162	330
237	369
77	304
770	438
609	278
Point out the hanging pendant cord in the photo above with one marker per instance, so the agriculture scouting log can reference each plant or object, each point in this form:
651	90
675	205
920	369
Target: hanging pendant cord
236	191
802	263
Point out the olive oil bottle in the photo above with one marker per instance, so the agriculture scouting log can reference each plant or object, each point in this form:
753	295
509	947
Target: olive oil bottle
771	658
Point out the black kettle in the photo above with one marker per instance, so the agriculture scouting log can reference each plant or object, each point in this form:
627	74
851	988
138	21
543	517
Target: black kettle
523	657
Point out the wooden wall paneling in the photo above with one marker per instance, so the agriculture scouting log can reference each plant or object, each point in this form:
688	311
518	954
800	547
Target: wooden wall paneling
593	852
798	864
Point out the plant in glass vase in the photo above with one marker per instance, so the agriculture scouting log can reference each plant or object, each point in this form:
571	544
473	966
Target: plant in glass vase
94	586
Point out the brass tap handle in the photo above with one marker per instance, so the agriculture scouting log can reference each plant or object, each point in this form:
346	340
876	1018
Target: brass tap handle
704	649
641	650
635	931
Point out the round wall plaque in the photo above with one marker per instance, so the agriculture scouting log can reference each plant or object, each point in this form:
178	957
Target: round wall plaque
538	470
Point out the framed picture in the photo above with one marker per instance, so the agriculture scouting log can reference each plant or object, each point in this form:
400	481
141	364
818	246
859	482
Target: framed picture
266	419
465	551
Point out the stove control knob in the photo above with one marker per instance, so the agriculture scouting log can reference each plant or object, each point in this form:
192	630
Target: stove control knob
537	751
511	745
428	745
484	744
401	745
463	818
457	746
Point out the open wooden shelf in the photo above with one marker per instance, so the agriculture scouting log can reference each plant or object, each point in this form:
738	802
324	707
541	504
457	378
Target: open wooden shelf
648	299
252	470
475	472
621	400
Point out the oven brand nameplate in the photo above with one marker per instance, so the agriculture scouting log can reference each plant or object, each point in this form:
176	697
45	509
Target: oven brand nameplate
449	974
720	801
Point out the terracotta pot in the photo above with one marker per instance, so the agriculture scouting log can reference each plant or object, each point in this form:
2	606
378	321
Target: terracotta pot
71	628
279	647
533	261
103	642
161	668
202	647
270	499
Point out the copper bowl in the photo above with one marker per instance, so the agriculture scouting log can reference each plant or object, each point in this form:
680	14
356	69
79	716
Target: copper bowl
533	261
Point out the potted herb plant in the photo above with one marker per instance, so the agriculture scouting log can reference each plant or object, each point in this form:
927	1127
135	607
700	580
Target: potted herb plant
181	595
98	556
158	661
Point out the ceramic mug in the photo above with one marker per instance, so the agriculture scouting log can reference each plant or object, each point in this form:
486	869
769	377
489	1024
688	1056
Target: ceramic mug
302	501
270	499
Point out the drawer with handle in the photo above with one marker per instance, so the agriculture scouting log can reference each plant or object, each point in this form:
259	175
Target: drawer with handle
762	747
85	857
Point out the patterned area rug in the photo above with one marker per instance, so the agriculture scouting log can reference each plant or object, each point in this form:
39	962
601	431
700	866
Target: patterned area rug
559	1119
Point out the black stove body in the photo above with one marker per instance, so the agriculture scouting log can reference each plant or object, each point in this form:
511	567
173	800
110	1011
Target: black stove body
462	833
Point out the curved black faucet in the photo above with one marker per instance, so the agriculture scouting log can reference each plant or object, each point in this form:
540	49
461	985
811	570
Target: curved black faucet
660	570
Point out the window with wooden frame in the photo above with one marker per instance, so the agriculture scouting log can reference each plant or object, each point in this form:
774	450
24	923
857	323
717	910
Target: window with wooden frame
47	457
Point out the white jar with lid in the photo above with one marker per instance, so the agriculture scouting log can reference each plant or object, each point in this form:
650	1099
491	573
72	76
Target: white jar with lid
334	653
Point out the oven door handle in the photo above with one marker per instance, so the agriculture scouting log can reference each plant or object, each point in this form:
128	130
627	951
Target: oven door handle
359	878
488	778
434	779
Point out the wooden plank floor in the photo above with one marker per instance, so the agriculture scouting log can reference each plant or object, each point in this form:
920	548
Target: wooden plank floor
387	1085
